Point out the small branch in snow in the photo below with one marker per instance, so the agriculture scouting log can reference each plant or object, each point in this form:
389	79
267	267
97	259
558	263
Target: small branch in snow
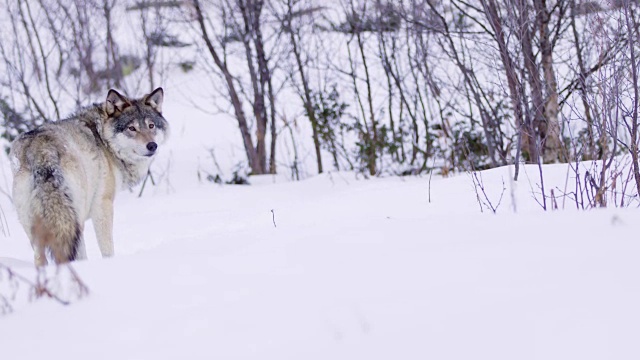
273	218
52	287
511	190
149	176
478	183
554	203
430	174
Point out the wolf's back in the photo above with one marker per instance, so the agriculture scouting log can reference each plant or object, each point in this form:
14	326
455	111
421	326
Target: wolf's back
54	222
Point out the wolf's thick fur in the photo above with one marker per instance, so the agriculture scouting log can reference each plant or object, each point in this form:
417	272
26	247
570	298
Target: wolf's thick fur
69	171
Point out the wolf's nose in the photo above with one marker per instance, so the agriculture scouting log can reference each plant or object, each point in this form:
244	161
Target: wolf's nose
152	146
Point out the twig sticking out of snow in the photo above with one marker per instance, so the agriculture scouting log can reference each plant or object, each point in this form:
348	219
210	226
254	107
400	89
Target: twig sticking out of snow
60	289
478	183
273	218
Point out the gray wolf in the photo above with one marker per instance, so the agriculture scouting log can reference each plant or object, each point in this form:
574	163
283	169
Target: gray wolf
68	171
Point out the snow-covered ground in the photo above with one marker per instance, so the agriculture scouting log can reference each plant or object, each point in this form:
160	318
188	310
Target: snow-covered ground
338	267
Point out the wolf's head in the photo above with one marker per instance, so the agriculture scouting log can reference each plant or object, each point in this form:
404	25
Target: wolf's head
134	128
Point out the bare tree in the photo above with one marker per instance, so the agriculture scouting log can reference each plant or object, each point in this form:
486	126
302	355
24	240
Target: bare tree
294	31
243	21
252	153
631	118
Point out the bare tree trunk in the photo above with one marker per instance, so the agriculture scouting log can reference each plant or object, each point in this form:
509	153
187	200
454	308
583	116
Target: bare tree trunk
149	53
633	129
308	103
526	43
265	74
592	154
364	134
85	45
514	84
552	143
251	12
468	77
110	50
391	70
390	107
43	57
390	66
274	133
373	146
252	155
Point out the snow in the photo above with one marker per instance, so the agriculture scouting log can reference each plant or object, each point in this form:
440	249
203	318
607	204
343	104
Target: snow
337	267
332	267
352	269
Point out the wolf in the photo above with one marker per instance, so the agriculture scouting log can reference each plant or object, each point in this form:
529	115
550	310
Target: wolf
68	171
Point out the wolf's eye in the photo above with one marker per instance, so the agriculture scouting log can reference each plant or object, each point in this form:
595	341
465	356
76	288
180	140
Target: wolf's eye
151	126
132	128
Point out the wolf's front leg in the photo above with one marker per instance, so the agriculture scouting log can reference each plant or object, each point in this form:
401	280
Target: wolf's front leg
102	217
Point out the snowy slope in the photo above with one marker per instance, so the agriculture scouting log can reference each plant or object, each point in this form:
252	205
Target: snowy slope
352	269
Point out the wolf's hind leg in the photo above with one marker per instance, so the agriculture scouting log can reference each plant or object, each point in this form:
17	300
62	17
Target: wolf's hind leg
40	238
81	252
39	257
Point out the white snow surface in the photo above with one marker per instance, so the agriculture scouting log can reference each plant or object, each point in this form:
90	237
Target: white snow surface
352	269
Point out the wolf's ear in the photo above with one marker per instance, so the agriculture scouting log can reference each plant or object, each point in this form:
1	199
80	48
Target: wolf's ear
115	102
155	99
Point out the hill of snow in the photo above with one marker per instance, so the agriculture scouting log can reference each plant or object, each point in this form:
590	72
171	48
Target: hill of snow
335	267
352	269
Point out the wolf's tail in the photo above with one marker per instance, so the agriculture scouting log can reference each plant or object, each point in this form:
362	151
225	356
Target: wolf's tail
55	222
